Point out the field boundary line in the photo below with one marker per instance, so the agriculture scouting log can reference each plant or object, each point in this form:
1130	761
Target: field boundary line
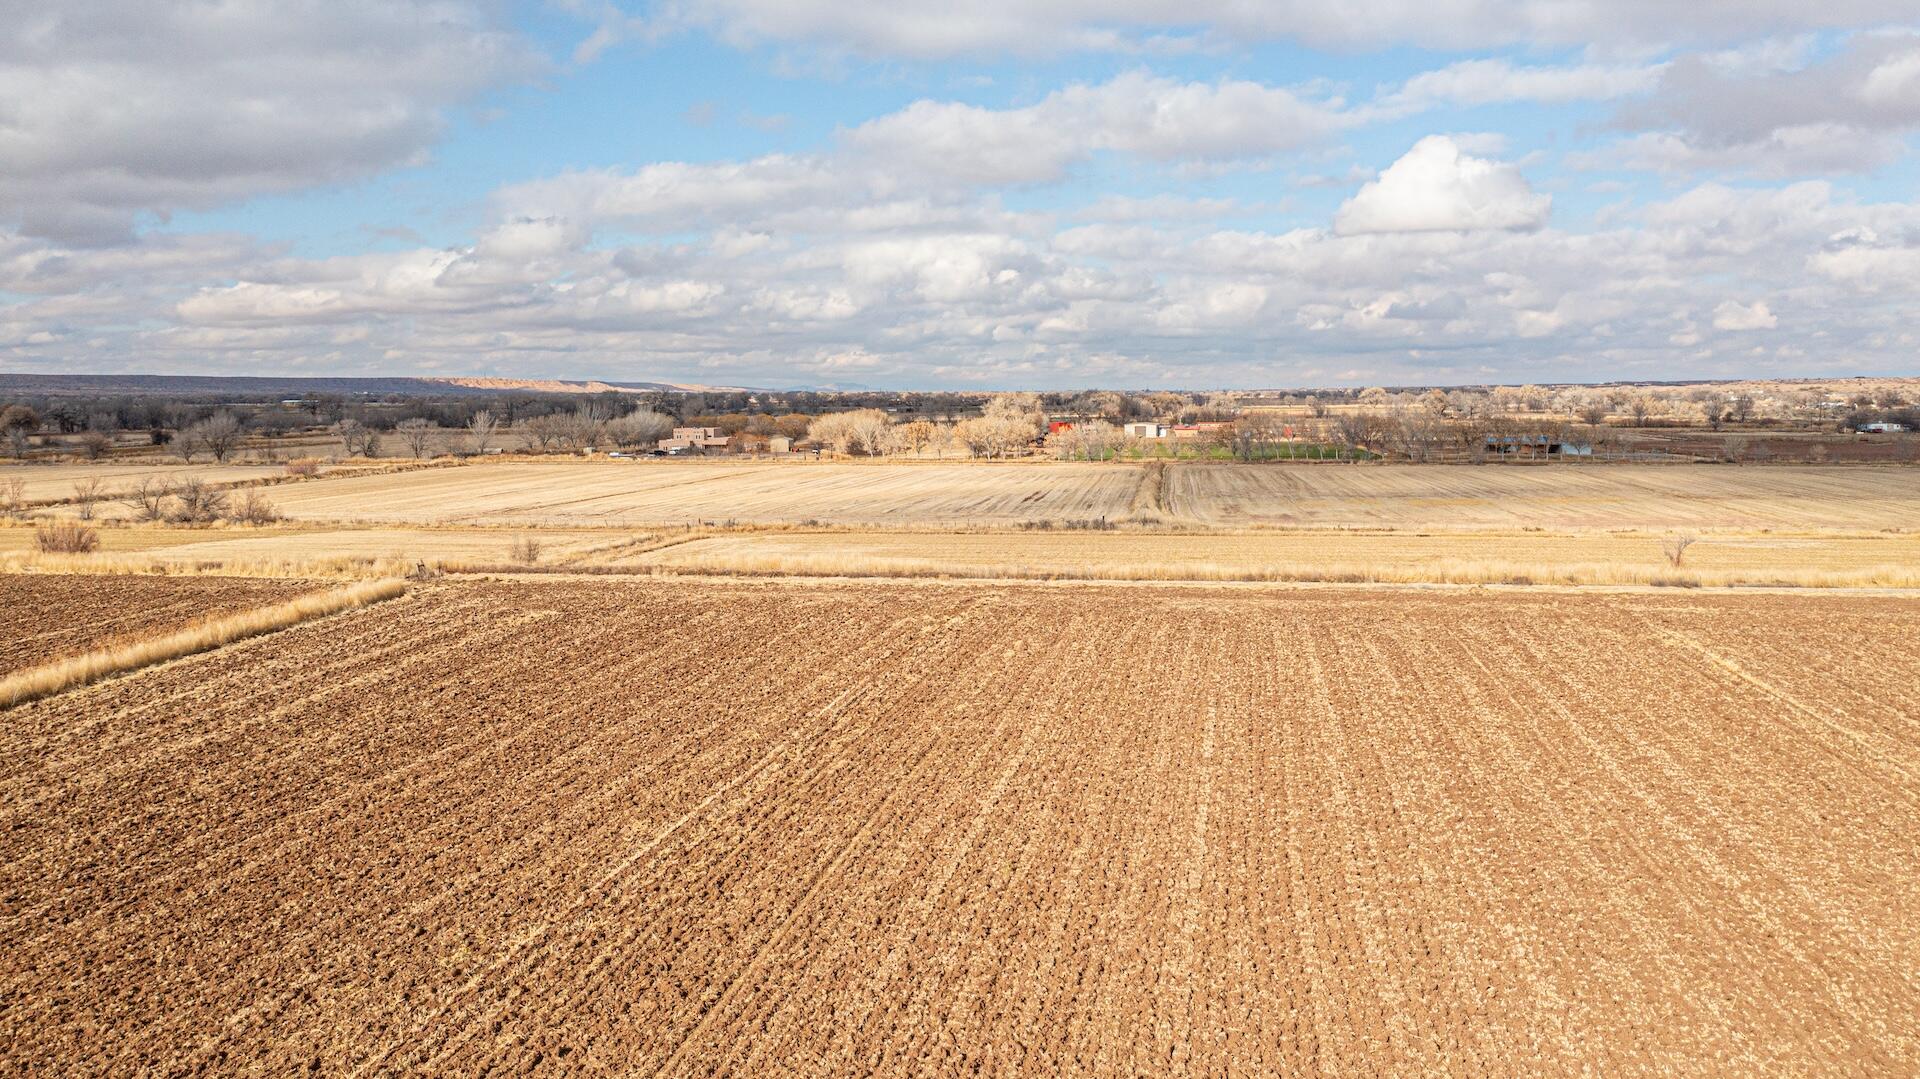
61	675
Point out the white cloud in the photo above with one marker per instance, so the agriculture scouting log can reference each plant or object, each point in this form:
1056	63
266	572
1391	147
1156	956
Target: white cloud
1486	82
929	28
111	109
1139	114
1848	112
1435	187
1733	315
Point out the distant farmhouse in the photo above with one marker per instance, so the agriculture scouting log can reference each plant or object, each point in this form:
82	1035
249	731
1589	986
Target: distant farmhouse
695	440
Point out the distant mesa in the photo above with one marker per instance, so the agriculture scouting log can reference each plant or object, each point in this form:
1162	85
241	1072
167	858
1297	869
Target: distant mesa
276	386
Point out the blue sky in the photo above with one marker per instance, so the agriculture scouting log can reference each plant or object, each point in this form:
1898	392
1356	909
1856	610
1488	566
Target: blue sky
996	194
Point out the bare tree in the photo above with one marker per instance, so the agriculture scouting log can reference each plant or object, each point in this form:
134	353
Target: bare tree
186	442
859	431
544	432
481	430
581	429
13	496
643	427
916	435
1675	548
357	438
416	434
148	500
85	494
220	434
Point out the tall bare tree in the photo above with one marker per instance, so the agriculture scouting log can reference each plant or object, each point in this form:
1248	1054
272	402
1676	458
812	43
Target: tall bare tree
481	431
416	434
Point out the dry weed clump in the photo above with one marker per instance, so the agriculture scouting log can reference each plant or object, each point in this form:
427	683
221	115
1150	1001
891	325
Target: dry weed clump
54	677
303	467
65	537
525	550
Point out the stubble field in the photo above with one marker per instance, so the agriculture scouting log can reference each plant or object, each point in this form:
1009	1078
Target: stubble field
678	492
56	482
1558	496
690	828
574	494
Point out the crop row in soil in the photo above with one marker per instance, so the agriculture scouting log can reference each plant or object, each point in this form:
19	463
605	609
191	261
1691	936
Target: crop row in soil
694	828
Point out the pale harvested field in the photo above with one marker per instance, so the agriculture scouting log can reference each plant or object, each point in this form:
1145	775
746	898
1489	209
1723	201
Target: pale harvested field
47	483
43	619
673	492
1600	558
310	542
695	828
1559	497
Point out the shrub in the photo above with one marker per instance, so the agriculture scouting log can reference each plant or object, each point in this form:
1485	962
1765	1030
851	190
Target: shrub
66	537
525	550
197	502
304	467
255	508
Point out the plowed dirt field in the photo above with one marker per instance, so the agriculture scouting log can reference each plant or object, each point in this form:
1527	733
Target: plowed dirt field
44	618
694	828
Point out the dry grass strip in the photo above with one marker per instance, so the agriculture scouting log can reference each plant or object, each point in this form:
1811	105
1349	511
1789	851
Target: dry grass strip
746	563
79	670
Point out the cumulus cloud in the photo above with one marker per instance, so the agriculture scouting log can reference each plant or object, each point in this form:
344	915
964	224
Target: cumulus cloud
1436	187
978	295
111	108
1733	315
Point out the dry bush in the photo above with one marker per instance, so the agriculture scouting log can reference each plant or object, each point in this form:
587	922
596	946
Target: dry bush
66	537
525	550
304	467
1675	548
79	670
148	500
13	496
254	508
197	502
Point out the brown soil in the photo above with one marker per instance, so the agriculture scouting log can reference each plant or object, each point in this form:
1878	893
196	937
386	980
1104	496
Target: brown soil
692	828
45	618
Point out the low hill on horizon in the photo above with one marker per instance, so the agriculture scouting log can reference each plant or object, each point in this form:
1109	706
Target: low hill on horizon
294	386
